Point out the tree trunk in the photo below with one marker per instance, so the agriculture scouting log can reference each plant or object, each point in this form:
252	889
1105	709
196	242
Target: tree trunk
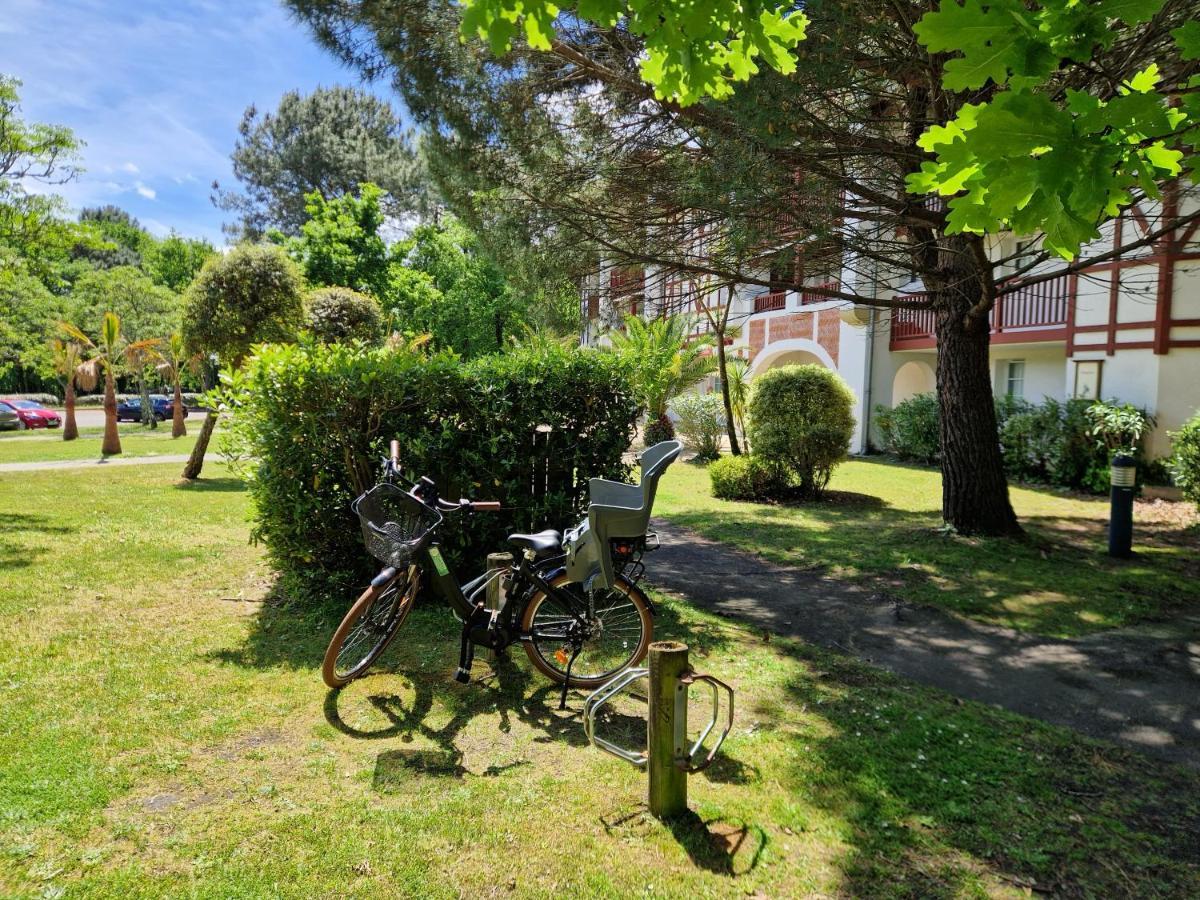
178	426
196	461
70	429
148	416
112	437
723	372
974	488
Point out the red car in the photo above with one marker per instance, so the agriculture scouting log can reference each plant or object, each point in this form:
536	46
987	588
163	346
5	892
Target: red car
31	414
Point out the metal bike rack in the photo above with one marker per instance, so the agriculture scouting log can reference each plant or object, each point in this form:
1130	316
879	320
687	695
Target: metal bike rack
668	758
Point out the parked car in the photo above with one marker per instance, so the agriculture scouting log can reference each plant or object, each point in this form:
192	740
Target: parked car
32	414
163	406
9	420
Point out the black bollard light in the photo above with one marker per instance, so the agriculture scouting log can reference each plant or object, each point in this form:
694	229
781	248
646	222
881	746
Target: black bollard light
1122	477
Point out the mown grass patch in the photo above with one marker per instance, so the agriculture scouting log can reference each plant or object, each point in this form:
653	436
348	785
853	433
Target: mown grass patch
44	445
881	524
165	732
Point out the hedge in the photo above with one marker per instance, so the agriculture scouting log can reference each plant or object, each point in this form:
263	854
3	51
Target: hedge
1185	463
746	477
318	418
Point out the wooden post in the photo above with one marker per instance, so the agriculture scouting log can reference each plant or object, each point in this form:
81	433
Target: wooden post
667	729
494	597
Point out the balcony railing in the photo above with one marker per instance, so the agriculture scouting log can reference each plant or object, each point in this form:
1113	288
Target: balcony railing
626	281
1037	312
770	301
807	296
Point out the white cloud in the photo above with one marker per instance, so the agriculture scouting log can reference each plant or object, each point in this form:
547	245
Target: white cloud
131	168
148	192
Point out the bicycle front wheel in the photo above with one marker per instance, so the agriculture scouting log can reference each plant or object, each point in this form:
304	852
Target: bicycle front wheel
369	627
618	631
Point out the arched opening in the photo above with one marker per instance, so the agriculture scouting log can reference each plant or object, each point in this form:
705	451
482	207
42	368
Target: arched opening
794	352
912	378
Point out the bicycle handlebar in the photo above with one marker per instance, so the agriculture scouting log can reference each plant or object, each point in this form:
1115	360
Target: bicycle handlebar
395	453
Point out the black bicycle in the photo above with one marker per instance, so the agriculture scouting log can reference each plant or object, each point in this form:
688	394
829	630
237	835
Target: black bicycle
578	612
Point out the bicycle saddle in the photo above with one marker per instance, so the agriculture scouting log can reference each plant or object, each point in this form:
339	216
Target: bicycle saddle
548	541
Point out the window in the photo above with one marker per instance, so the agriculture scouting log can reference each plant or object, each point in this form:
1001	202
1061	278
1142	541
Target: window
1014	378
1087	379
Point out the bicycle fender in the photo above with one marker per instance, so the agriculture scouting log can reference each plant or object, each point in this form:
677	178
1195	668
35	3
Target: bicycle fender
550	576
384	577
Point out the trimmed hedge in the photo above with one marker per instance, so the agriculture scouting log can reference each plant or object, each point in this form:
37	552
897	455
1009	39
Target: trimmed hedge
318	418
910	429
746	477
701	422
190	400
1185	464
44	399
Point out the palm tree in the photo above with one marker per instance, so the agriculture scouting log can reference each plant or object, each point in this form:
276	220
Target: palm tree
174	359
112	350
69	363
666	359
738	373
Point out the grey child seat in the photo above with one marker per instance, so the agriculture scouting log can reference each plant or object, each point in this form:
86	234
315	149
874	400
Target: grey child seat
616	510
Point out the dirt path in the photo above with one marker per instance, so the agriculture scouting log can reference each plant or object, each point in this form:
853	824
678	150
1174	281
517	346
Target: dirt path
176	458
1139	687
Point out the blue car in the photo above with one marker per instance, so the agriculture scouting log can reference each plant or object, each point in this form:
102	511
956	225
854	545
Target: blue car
131	409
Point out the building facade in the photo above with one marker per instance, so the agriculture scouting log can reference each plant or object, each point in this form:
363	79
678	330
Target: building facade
1127	329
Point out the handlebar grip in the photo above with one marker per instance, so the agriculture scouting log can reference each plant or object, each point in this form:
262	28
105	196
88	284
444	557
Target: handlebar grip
396	452
485	505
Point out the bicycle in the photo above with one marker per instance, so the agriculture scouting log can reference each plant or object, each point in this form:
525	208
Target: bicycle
571	599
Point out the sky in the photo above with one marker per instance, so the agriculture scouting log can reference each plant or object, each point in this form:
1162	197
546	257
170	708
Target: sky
156	89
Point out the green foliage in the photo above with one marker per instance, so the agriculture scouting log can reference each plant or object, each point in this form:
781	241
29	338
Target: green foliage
692	50
329	141
910	429
339	245
1185	463
29	316
801	420
146	310
442	285
249	295
659	430
111	238
174	261
664	358
338	314
317	418
1037	156
747	477
701	422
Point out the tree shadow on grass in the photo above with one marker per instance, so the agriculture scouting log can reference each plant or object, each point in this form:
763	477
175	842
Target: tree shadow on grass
14	553
939	795
224	485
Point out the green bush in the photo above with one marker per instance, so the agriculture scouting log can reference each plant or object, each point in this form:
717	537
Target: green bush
336	314
316	419
746	477
44	399
1185	463
801	420
701	422
910	429
658	430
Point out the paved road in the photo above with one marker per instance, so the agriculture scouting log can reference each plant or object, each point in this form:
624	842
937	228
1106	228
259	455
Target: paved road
177	458
1140	687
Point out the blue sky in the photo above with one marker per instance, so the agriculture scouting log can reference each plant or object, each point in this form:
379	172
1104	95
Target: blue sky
156	89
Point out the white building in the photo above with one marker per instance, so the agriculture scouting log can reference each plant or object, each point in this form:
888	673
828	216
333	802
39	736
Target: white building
1127	329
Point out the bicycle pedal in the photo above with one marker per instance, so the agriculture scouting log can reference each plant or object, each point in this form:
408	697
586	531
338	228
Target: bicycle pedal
462	676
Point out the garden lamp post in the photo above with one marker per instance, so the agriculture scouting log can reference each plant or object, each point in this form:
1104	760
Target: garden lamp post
1122	478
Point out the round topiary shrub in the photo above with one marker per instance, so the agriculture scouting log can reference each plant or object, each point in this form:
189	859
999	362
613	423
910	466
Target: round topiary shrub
801	420
1185	464
336	314
659	430
747	477
701	422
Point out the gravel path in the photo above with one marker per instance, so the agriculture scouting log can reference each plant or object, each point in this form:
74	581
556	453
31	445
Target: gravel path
1139	687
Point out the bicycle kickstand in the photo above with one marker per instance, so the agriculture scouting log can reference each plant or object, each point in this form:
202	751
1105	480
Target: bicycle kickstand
466	655
562	700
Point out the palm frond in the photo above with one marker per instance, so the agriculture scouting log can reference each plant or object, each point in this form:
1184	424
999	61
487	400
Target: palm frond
87	374
75	333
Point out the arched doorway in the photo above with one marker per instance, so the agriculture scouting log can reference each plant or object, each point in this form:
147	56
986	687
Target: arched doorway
795	352
914	377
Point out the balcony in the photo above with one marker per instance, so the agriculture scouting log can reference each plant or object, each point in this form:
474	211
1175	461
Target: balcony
1034	313
770	301
623	282
807	297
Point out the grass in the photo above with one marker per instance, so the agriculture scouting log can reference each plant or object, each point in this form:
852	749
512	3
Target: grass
165	732
136	440
880	524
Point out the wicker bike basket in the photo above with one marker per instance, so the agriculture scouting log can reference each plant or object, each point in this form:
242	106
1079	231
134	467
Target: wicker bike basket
395	524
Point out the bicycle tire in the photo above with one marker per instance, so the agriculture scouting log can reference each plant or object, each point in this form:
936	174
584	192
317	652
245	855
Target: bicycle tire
401	592
555	668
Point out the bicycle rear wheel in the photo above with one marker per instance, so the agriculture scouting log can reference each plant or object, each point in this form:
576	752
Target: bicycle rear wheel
369	627
617	636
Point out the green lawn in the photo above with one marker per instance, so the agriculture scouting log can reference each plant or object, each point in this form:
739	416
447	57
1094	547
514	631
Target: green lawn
881	523
136	440
165	732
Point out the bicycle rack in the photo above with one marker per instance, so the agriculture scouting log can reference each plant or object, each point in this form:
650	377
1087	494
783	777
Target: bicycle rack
668	758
